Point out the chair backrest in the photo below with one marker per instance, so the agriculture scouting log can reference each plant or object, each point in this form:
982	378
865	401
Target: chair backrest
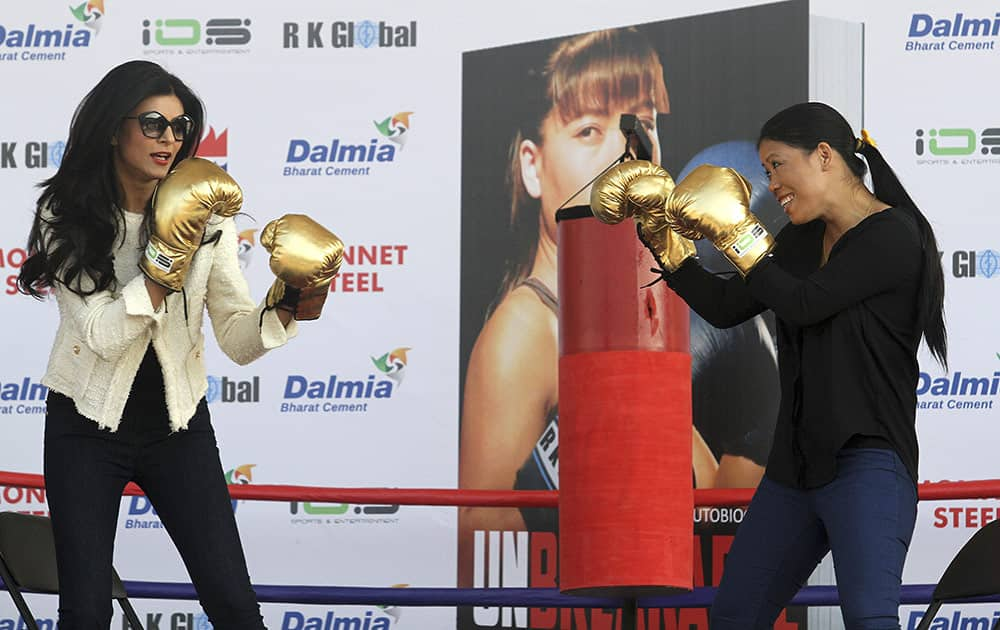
28	550
973	570
28	555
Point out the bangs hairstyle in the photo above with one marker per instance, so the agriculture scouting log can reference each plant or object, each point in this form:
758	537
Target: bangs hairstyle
594	72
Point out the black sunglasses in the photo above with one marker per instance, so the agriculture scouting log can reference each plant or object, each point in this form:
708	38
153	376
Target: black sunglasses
154	125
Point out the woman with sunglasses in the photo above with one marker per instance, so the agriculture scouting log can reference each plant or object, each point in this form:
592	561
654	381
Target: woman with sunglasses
126	378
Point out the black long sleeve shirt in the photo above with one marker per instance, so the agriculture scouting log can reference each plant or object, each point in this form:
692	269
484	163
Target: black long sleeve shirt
848	334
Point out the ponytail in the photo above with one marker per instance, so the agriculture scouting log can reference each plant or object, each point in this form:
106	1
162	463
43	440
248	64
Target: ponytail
805	125
931	294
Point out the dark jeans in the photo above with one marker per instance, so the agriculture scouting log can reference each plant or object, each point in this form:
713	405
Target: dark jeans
87	467
865	516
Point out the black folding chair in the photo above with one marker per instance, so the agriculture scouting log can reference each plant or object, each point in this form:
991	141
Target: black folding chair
973	572
28	562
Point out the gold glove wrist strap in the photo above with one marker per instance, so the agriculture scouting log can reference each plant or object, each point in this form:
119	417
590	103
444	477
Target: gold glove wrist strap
667	264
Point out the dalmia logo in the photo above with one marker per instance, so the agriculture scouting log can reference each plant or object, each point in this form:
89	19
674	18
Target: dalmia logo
395	127
90	13
393	364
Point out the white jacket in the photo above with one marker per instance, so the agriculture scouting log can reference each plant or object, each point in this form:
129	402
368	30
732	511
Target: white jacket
102	338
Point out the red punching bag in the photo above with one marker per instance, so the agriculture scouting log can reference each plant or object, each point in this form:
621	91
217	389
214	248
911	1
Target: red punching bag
625	492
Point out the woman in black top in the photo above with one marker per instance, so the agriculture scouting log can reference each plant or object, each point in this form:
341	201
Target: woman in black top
854	282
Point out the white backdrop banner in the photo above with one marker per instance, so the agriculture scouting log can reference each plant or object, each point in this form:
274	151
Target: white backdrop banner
353	114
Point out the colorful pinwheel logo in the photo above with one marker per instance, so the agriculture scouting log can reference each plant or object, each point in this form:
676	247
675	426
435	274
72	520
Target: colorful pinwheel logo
392	364
240	474
245	242
396	127
90	13
392	610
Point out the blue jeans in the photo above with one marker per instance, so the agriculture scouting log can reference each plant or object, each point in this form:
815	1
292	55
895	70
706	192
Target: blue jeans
865	516
86	469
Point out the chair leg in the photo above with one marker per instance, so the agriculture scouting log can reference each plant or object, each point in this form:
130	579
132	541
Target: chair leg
130	614
15	594
630	614
928	617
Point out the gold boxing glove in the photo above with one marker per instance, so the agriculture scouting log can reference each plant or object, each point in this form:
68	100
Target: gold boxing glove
305	257
714	202
182	204
639	189
609	199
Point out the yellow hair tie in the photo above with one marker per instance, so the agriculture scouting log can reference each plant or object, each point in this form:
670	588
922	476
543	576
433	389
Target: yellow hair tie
864	139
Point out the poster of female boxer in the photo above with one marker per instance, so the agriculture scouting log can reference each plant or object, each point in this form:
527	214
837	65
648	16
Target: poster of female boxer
540	120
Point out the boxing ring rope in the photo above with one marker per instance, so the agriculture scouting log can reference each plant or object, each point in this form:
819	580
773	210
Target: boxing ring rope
715	497
700	597
517	597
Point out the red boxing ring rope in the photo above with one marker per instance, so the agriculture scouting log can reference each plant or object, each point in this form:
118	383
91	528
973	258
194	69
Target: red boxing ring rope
936	491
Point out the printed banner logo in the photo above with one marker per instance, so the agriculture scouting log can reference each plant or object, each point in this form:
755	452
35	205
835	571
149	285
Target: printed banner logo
141	515
392	364
340	34
227	390
983	264
971	515
957	146
346	158
51	42
395	127
958	391
337	394
959	619
363	266
23	397
90	14
958	33
215	147
32	154
245	242
165	620
11	261
23	500
337	514
170	36
371	620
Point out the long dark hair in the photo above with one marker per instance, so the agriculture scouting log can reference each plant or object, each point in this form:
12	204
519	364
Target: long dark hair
77	220
806	125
